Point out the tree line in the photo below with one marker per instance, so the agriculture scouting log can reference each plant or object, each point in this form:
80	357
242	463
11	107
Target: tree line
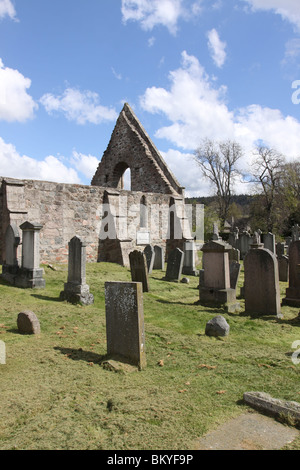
274	204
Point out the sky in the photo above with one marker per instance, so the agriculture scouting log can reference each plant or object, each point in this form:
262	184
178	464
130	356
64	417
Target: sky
189	69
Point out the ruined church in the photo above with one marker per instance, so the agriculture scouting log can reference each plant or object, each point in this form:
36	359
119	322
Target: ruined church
111	220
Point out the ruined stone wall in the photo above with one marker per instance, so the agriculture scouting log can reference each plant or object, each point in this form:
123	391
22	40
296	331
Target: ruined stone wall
66	210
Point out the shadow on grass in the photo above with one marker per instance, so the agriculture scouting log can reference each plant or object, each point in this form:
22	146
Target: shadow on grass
46	297
81	355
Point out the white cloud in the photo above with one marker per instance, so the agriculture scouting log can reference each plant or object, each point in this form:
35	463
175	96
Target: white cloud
14	165
288	9
150	13
217	48
15	103
7	9
186	170
197	110
81	107
85	164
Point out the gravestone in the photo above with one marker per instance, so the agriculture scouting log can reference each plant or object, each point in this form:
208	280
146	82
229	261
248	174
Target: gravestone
233	237
234	255
125	322
189	260
280	249
11	265
214	285
261	286
159	258
76	290
150	255
269	242
174	265
292	296
283	268
28	323
30	274
234	270
244	243
138	268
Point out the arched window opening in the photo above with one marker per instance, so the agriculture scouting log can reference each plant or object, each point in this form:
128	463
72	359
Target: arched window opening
121	177
126	180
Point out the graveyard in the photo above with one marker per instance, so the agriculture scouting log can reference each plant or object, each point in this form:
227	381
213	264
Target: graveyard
59	390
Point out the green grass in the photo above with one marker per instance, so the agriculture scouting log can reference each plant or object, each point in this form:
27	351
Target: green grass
56	395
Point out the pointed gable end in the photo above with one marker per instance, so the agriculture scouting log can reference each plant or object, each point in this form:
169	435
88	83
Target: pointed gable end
131	147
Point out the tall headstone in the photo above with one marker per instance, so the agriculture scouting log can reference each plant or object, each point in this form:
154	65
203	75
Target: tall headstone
11	265
234	271
159	258
292	296
125	322
215	287
244	243
174	265
261	287
138	268
269	242
30	275
150	255
189	261
76	289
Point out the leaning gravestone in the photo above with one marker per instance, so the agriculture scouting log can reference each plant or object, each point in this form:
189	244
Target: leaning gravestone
138	268
261	287
234	271
292	296
125	322
76	290
174	265
159	258
28	323
150	254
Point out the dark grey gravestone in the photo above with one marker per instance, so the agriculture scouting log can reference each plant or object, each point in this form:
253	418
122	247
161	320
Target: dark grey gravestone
125	322
174	265
138	268
159	258
261	286
150	255
234	270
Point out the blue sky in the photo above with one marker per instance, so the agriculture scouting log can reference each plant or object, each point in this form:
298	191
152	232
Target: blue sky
190	69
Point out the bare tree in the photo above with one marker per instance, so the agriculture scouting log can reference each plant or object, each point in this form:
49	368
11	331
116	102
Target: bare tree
218	163
267	169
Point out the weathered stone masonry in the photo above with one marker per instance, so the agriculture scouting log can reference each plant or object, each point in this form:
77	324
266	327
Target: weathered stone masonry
93	212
